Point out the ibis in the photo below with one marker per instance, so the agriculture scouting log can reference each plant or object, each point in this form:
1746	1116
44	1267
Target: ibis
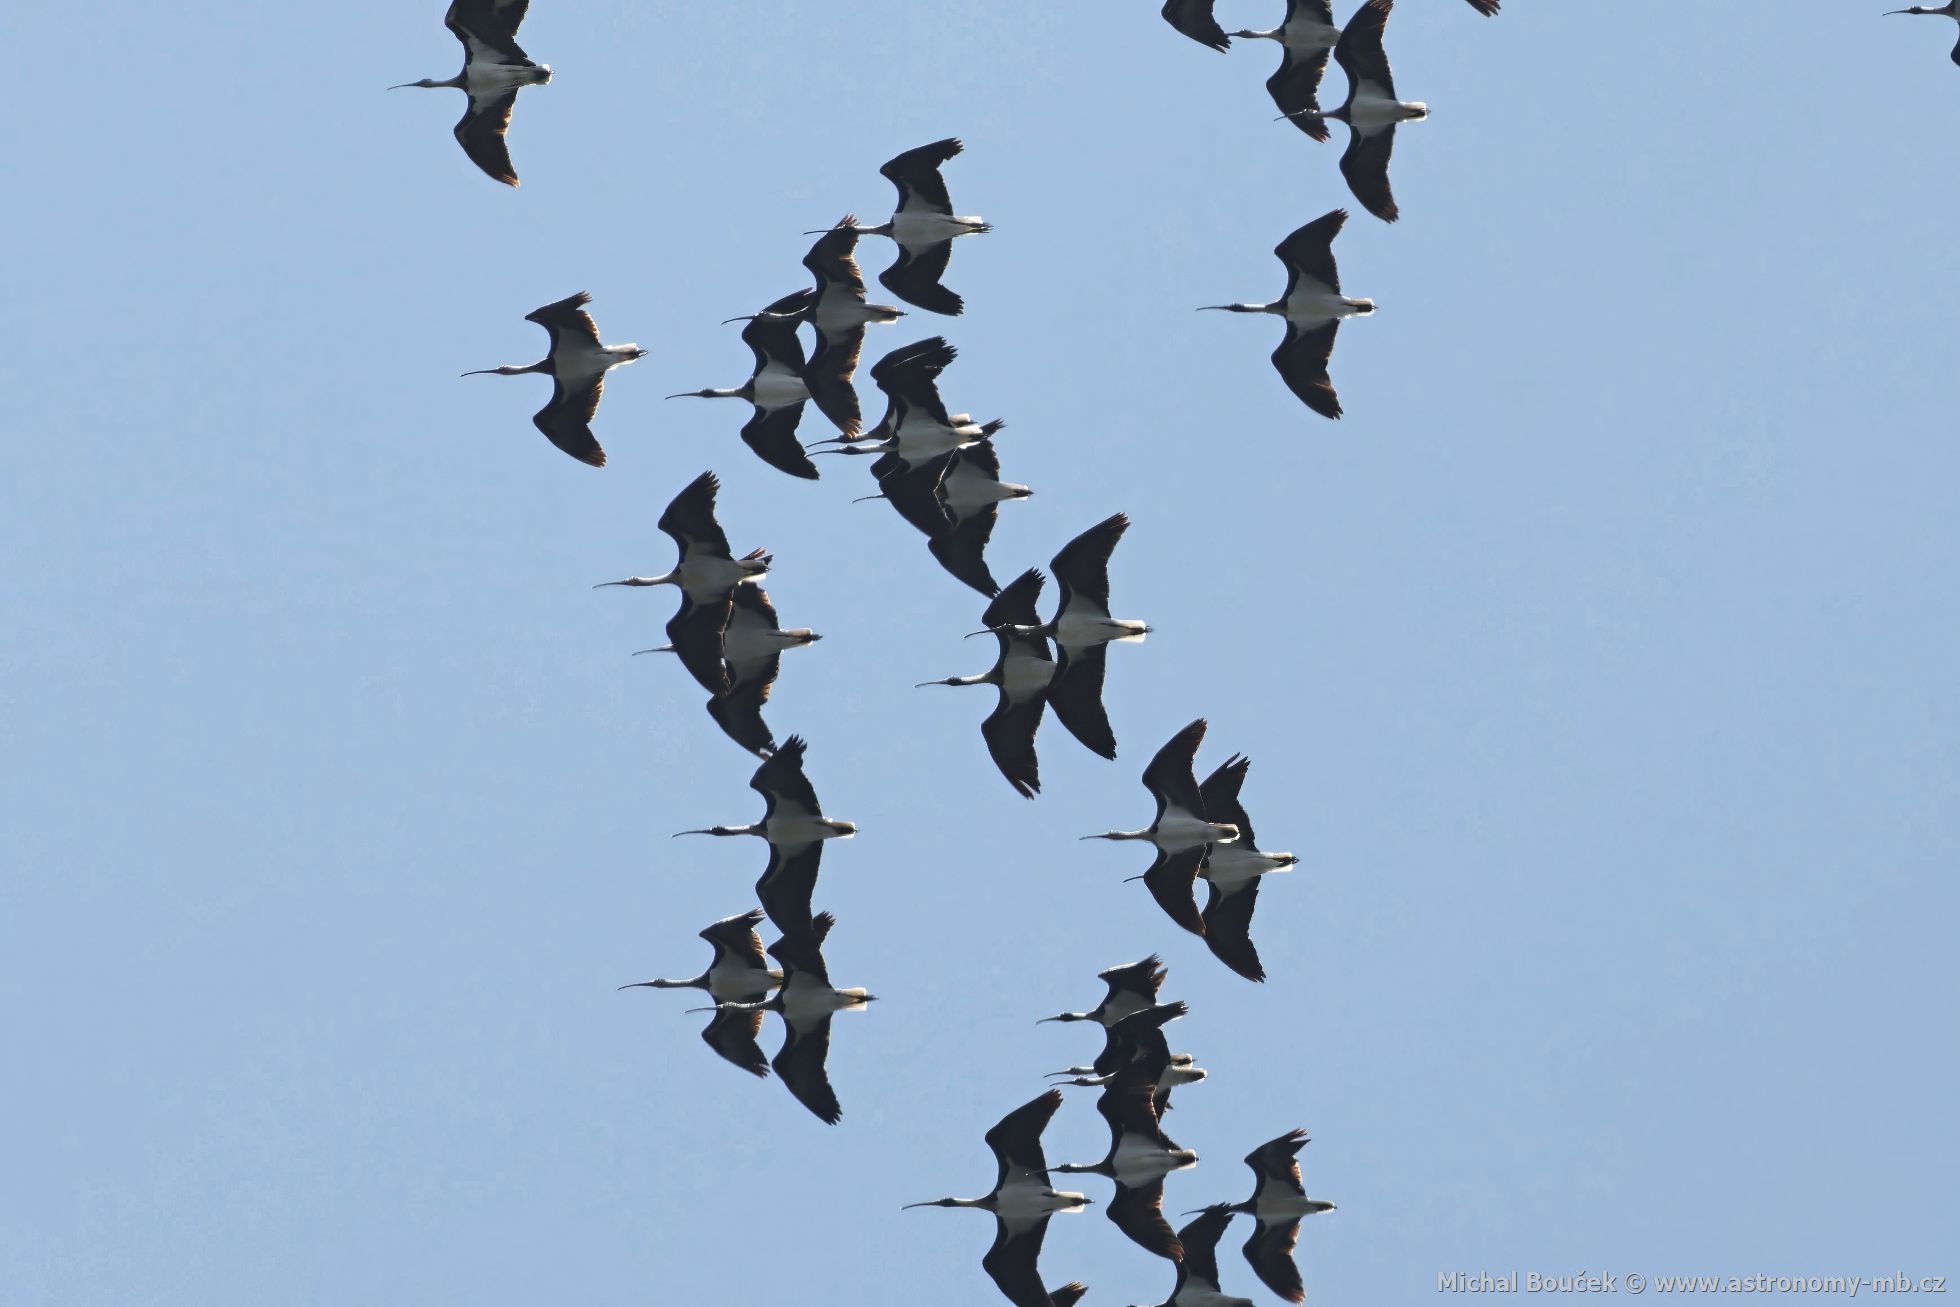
577	366
1140	1156
955	500
752	646
916	427
793	823
1138	1042
838	313
1082	628
1021	1202
495	69
1232	872
1305	38
777	388
924	228
1314	309
1197	1274
707	575
1371	110
1180	830
1951	9
1130	987
739	973
1278	1204
1020	675
806	1001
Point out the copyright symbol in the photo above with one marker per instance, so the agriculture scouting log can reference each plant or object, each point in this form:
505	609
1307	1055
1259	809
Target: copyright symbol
1636	1282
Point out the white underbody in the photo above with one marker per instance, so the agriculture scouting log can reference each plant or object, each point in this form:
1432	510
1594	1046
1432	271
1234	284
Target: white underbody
1231	865
707	577
1279	1204
575	359
1373	110
1025	1198
918	229
1313	304
778	386
733	981
791	828
1085	623
1179	830
1024	677
969	491
1139	1160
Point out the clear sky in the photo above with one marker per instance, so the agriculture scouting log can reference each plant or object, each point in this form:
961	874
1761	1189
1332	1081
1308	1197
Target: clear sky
1599	665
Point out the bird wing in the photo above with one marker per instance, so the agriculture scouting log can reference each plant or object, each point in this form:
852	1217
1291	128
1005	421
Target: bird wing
732	1035
1194	18
1301	361
1082	566
738	711
1016	1138
689	519
771	334
782	773
1015	606
828	375
1270	1253
1359	51
914	492
916	175
567	420
771	433
1228	928
1172	881
567	315
1278	1161
1365	165
911	372
1076	693
915	276
1139	1213
1136	1046
1488	8
696	633
486	30
1295	89
1009	731
963	552
1145	977
1318	11
1013	1262
1169	776
1309	252
800	1063
480	131
833	259
1220	793
787	885
736	936
1200	1239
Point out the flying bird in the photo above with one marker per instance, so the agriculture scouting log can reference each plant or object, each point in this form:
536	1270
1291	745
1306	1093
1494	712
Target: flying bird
1279	1201
1313	307
1194	19
1951	9
777	388
739	973
577	366
1136	1045
1305	38
1082	629
1197	1274
1130	987
916	427
1233	870
1022	1201
1180	830
1020	674
955	500
752	646
1140	1156
924	227
794	824
495	68
838	313
1371	110
806	1002
707	575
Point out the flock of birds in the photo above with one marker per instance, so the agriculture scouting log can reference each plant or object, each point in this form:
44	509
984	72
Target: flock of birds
941	472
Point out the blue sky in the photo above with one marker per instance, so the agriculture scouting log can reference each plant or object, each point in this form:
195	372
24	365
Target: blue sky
1598	664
